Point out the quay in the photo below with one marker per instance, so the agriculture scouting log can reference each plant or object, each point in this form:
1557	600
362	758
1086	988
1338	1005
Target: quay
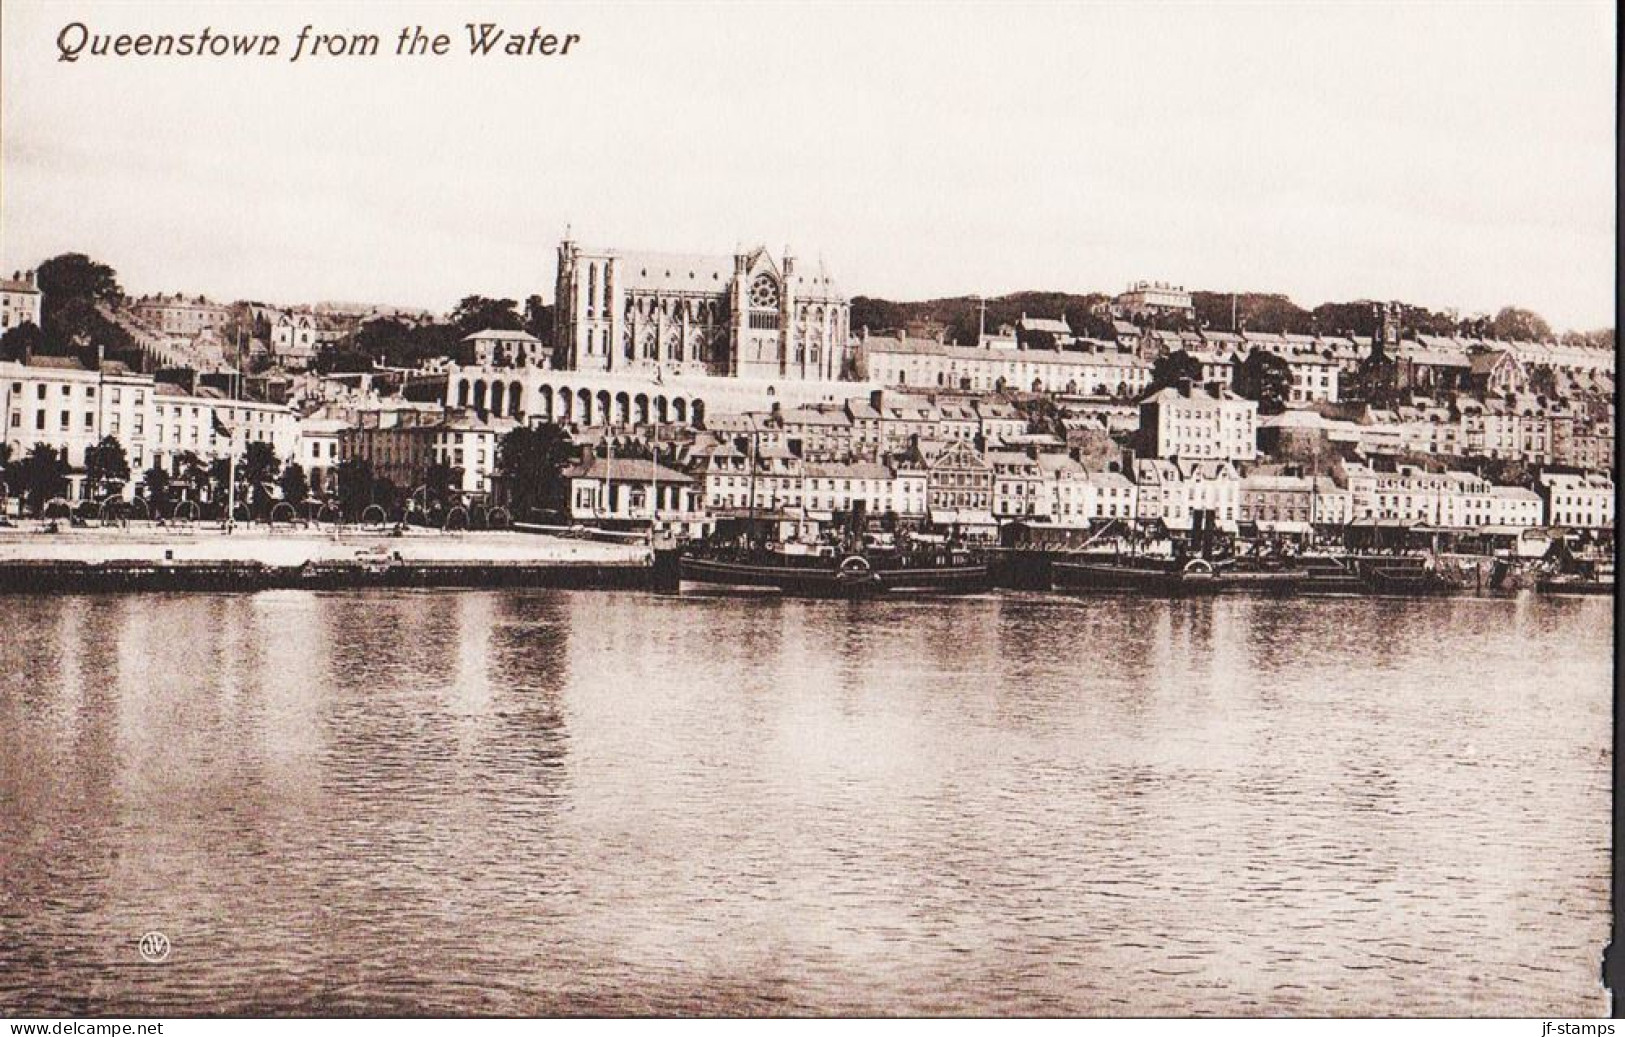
35	561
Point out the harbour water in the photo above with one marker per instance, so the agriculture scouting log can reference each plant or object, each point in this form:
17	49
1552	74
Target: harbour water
532	802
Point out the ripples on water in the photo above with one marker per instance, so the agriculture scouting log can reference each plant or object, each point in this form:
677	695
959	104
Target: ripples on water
552	802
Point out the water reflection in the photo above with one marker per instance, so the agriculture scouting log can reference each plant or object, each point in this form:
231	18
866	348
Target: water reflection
533	802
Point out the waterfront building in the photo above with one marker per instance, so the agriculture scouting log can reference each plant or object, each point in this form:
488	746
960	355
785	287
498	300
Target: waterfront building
1578	500
1170	490
748	315
468	443
1406	494
61	403
180	315
58	402
737	478
19	300
317	449
1465	500
1210	422
1277	501
189	421
1515	506
401	444
1089	495
1019	486
959	486
635	492
834	489
1332	504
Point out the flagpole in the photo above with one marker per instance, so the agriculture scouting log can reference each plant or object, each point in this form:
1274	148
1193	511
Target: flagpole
231	481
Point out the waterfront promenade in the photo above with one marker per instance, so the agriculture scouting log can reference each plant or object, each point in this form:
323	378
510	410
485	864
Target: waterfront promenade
292	548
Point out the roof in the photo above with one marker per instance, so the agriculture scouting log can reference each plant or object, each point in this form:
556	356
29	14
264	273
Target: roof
1045	324
623	469
59	363
502	335
9	285
853	470
1296	418
1484	363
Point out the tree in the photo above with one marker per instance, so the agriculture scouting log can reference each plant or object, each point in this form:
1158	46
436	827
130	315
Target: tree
39	477
478	313
257	473
338	358
442	484
1520	325
355	486
295	487
155	488
106	468
1172	368
74	275
539	318
194	474
72	287
23	340
1376	380
530	462
1264	377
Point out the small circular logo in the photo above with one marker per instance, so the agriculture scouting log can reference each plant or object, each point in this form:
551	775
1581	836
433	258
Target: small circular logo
154	946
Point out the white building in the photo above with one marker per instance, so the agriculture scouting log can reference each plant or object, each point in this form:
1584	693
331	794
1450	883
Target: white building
924	364
1515	506
59	402
1578	501
1200	423
19	301
1169	491
626	491
498	348
1151	298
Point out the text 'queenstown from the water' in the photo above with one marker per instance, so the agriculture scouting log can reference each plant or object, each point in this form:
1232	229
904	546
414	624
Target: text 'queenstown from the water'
77	41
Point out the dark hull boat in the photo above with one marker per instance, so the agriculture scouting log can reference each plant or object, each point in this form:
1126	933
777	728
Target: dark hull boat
1171	579
854	576
1574	585
1397	576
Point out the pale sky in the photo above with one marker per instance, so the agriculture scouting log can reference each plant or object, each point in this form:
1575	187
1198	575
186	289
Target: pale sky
1450	155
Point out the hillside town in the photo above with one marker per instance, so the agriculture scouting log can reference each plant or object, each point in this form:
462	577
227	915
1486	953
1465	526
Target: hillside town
691	394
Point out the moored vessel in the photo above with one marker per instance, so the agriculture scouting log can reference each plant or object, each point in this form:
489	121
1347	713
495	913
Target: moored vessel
828	572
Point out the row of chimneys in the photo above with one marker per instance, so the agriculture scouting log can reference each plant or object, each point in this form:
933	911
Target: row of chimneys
25	276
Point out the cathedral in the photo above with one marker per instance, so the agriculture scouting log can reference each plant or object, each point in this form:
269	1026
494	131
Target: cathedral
745	316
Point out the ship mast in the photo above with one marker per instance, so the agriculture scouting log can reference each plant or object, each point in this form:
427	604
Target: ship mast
750	523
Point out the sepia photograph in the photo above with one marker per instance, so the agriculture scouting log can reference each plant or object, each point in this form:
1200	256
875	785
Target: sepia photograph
807	510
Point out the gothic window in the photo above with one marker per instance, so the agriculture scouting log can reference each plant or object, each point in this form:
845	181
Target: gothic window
592	287
764	294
